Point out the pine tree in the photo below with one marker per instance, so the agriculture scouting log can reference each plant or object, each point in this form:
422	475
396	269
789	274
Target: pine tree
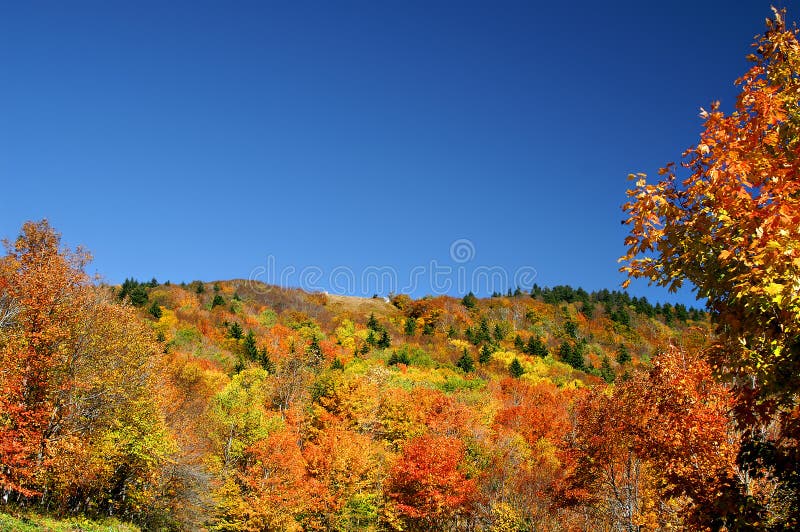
469	301
623	355
134	291
519	344
337	364
371	338
265	361
249	346
484	333
372	323
571	328
399	357
572	355
218	301
155	310
428	328
466	363
536	347
499	334
411	326
384	342
606	371
516	369
235	331
485	355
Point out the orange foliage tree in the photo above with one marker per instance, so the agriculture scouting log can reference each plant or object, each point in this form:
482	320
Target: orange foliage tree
660	443
427	485
78	424
730	227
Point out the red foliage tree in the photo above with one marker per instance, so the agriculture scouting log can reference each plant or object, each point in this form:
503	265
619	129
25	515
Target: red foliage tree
427	484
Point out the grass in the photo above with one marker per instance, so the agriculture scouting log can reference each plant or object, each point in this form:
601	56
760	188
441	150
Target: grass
29	522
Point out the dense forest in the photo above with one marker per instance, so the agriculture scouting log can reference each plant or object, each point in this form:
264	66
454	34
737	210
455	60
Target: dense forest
238	406
234	405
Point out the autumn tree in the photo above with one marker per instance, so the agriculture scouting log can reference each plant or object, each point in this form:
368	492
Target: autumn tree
729	227
427	485
662	438
79	424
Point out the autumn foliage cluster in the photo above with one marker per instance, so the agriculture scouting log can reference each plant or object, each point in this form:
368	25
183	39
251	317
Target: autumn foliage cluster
237	406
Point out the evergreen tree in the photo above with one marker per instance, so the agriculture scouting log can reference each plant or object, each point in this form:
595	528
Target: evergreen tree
471	336
399	357
666	311
235	331
484	333
623	355
519	344
134	291
371	338
606	371
337	364
384	342
572	355
499	334
372	323
249	346
621	316
571	328
466	363
153	283
469	301
485	354
536	347
218	301
428	328
411	326
265	361
155	310
200	287
516	369
452	332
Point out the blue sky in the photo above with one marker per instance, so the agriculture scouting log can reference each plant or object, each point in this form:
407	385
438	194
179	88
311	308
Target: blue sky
217	140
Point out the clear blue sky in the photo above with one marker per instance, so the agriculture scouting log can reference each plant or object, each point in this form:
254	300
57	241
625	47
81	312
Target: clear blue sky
195	140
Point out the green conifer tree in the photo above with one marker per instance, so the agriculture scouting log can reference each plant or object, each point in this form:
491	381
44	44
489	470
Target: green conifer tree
466	363
515	369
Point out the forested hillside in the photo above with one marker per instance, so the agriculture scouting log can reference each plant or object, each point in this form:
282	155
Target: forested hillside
232	405
236	405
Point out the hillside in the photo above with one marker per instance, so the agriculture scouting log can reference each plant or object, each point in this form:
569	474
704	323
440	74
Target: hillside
351	383
237	406
233	405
